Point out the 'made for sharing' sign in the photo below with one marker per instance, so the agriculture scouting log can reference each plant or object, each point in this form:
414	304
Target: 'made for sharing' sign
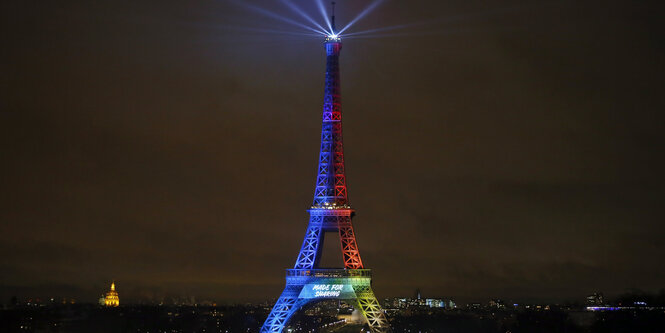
317	290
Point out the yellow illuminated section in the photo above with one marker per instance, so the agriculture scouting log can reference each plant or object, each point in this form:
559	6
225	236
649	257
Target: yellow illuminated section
112	298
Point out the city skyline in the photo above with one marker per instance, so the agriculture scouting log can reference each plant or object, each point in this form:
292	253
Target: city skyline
494	151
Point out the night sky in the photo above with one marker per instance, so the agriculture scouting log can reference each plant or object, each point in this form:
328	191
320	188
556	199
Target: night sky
508	149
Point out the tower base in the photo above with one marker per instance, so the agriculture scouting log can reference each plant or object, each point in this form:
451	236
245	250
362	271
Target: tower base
308	285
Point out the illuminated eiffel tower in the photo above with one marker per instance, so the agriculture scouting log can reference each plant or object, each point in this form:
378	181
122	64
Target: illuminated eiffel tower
330	212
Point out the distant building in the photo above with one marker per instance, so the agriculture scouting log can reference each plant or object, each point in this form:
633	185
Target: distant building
112	298
401	303
415	302
595	299
497	304
435	303
474	306
404	303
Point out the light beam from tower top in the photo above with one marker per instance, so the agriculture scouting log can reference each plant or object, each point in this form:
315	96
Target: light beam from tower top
329	29
322	10
362	14
304	15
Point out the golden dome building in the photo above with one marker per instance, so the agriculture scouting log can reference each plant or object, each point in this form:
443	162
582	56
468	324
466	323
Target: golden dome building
112	298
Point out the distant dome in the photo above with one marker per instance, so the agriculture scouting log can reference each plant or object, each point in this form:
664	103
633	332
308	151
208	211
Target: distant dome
112	298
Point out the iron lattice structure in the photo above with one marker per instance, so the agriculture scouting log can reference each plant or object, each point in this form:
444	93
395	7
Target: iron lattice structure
330	212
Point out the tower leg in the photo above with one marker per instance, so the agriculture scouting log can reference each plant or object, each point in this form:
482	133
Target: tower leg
287	304
310	251
350	251
370	308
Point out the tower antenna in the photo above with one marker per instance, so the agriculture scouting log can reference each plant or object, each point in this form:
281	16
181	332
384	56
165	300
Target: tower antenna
333	18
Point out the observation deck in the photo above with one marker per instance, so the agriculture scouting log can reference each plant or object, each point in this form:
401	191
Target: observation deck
333	39
329	273
323	276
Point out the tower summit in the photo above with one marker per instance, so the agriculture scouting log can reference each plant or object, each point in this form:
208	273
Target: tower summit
330	190
332	22
330	213
334	36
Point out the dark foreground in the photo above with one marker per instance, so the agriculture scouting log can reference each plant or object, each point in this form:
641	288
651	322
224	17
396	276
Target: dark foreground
154	318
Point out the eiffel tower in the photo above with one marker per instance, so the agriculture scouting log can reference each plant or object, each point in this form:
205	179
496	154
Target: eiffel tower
330	212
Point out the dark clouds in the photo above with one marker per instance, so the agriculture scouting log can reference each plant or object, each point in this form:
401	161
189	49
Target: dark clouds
510	150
